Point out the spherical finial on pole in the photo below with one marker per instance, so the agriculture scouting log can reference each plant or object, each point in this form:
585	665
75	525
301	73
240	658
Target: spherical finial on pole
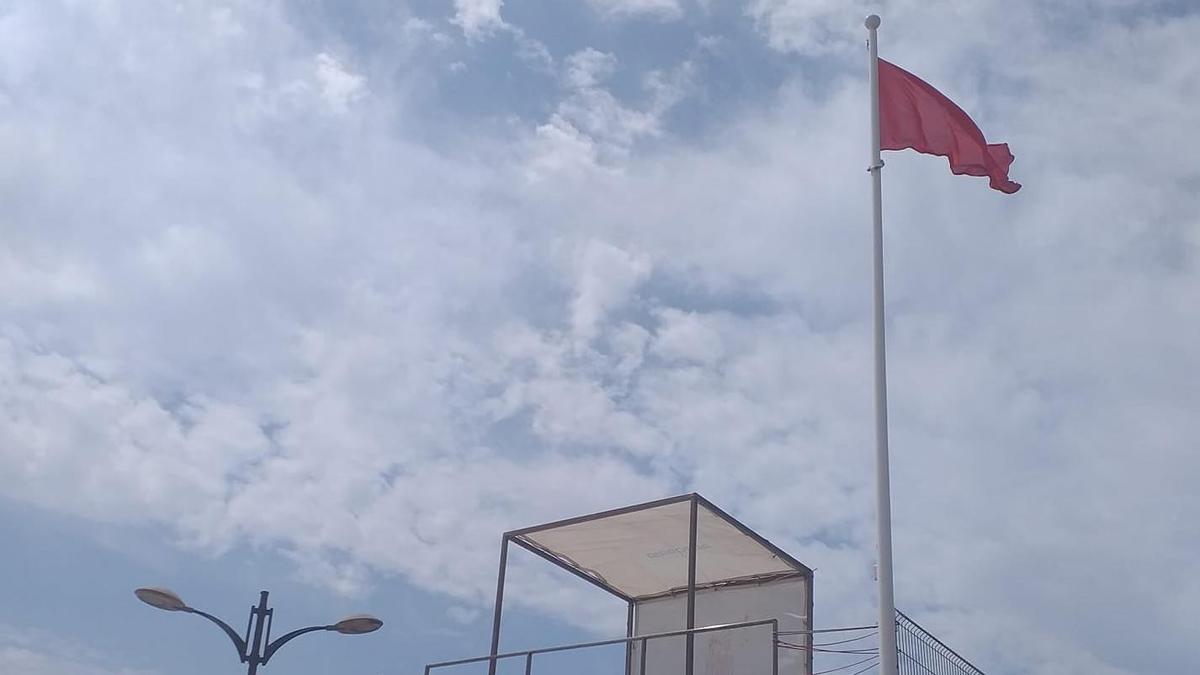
872	22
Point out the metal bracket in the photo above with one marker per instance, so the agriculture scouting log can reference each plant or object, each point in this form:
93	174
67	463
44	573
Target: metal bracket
875	167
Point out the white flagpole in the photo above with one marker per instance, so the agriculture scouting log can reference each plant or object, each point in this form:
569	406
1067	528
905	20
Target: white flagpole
883	497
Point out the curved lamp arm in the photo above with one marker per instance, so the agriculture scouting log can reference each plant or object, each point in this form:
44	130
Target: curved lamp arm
279	642
238	642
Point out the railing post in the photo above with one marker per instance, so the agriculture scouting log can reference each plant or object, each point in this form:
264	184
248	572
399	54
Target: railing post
528	663
642	670
775	647
629	645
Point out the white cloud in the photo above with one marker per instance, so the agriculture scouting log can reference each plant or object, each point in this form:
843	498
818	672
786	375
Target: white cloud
661	9
236	319
606	277
684	335
339	86
591	128
478	18
559	148
44	654
588	68
595	111
45	278
481	19
32	662
810	26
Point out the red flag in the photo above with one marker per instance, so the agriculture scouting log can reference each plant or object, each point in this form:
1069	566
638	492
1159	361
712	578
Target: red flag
914	115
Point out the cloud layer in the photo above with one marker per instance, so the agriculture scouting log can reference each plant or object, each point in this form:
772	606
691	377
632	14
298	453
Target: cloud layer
258	288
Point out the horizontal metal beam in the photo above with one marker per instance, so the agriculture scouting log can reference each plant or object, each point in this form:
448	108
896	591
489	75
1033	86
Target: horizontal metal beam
603	514
752	580
615	641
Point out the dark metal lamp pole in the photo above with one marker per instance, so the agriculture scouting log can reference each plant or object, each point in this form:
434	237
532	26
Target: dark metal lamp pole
253	651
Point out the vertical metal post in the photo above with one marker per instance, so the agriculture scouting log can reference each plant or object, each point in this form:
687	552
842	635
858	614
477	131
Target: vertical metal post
629	644
775	647
689	661
270	620
809	625
883	496
642	670
246	639
529	663
499	605
255	649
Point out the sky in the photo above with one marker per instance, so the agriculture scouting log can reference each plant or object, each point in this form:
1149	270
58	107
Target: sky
321	296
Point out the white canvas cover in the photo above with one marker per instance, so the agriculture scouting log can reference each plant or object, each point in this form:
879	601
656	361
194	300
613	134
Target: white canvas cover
641	553
644	553
738	651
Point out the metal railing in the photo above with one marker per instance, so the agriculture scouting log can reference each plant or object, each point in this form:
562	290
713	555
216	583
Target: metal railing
641	640
920	653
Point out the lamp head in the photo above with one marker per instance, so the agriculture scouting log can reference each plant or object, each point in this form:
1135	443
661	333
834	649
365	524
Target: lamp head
357	625
161	598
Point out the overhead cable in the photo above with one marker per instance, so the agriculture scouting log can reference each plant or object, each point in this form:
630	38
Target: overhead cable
827	630
850	665
841	642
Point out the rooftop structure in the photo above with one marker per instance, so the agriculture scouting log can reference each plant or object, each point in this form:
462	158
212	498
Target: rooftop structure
706	595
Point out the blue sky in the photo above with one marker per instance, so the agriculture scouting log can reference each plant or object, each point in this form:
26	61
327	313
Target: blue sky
320	297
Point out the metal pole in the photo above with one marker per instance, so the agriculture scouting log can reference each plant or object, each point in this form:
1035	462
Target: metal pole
499	605
689	661
809	625
775	647
255	652
629	645
883	497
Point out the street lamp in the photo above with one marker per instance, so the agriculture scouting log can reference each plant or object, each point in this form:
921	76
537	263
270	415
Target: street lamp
254	652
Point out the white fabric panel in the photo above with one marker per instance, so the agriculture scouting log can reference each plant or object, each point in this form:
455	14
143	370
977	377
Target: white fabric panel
645	552
741	651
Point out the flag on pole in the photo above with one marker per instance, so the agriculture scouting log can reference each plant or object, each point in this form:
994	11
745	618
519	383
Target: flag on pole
914	115
908	113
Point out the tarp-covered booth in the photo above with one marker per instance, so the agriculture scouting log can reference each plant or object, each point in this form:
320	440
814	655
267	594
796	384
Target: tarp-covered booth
689	570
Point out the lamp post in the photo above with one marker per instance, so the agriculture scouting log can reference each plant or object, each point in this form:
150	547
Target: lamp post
258	650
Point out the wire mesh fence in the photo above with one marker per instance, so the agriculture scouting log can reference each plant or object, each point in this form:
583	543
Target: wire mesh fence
920	653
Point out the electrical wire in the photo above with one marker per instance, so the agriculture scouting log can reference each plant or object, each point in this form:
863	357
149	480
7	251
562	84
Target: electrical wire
849	666
842	642
792	645
817	647
802	648
863	670
827	630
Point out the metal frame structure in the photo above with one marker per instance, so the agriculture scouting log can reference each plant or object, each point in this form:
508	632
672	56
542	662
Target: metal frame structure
918	651
519	537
